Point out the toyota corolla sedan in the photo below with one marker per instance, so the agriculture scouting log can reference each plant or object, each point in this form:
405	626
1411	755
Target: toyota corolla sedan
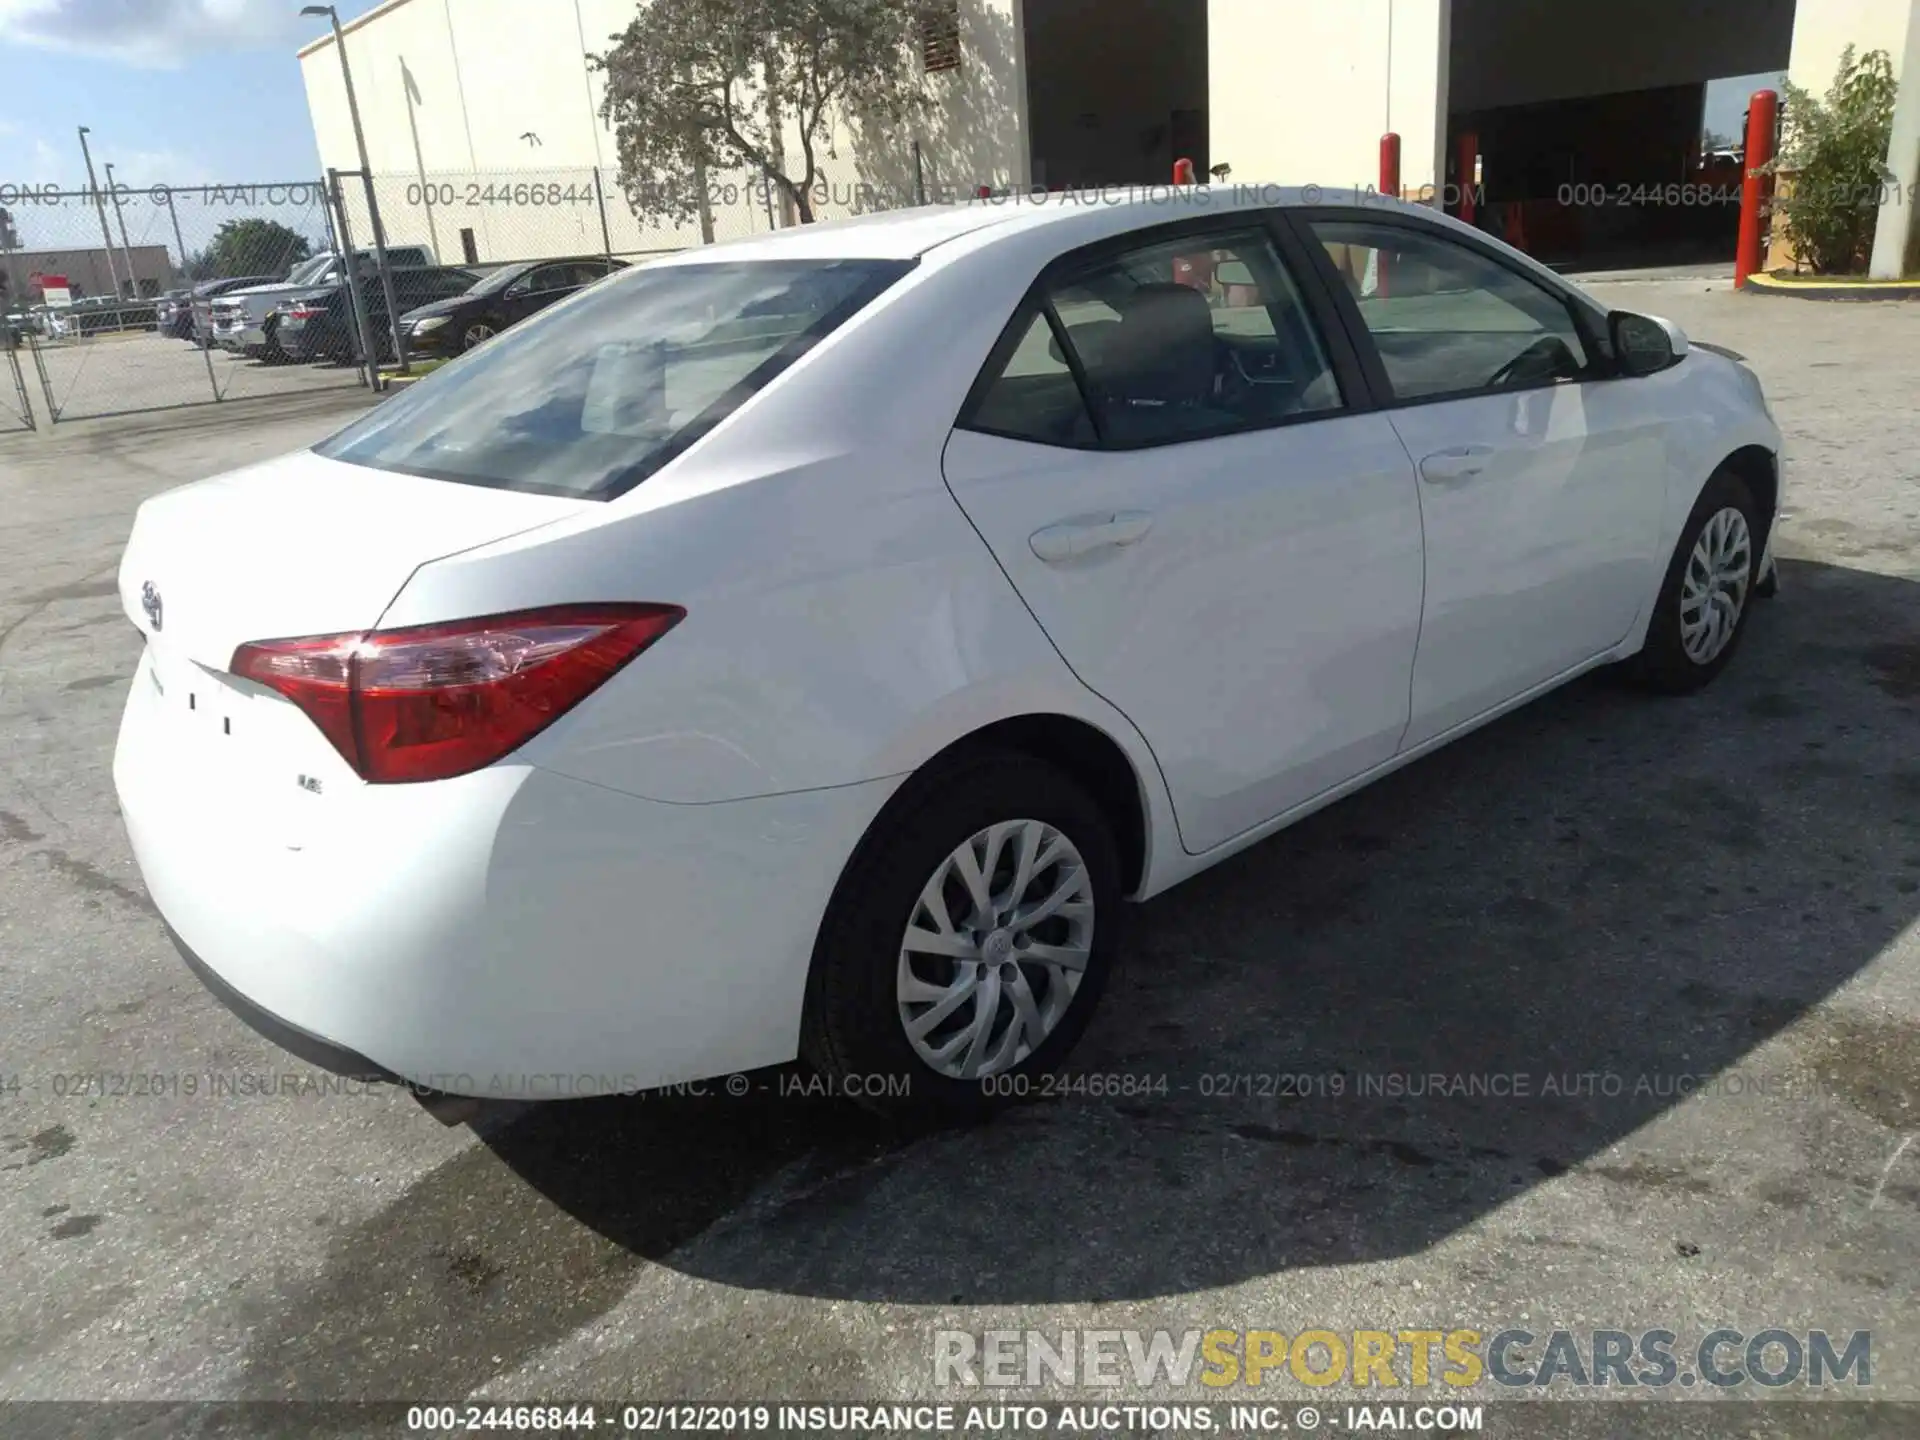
809	646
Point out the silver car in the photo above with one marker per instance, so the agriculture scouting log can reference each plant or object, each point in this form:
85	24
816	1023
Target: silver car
242	319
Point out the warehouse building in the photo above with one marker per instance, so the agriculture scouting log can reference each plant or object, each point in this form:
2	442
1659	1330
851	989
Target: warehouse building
1533	101
87	272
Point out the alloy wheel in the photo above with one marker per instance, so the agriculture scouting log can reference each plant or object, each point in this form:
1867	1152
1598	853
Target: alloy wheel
1714	589
475	334
995	949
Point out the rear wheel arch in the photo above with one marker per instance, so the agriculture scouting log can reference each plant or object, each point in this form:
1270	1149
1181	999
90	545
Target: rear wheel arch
1079	749
1092	758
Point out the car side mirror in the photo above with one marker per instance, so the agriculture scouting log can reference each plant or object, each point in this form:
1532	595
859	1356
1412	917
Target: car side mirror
1645	344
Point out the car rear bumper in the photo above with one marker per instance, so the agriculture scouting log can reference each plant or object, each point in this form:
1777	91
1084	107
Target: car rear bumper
511	933
304	1045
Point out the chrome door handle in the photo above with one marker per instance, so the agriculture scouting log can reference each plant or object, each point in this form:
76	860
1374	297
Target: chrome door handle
1071	539
1461	462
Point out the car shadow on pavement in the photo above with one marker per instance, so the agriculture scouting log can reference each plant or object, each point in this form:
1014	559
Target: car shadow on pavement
1602	885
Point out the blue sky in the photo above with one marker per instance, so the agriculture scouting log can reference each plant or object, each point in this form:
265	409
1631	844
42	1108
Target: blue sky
181	92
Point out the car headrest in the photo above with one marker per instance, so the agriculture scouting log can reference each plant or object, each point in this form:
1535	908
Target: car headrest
1162	349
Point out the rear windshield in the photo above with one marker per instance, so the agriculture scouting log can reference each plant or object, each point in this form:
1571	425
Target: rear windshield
594	395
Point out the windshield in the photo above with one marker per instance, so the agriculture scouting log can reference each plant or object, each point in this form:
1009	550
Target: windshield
600	391
307	269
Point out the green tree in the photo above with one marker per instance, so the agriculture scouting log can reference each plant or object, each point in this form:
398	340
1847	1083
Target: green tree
1835	151
696	86
250	247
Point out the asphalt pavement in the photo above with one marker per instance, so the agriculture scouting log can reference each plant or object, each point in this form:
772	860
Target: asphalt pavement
1605	1017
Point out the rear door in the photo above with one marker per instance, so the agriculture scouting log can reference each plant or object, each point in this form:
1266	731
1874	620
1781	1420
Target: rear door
1187	486
1541	484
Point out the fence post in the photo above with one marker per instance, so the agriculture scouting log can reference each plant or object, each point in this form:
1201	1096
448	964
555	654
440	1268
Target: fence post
186	274
919	177
329	185
600	198
1763	110
386	277
362	331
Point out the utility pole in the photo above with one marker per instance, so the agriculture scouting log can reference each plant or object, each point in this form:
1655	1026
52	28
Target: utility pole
373	203
120	218
106	236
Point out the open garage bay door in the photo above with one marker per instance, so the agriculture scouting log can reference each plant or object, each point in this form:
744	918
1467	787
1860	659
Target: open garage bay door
1588	120
1116	90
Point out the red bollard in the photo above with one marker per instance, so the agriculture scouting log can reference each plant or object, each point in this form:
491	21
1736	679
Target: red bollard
1763	110
1390	165
1389	186
1467	158
1183	172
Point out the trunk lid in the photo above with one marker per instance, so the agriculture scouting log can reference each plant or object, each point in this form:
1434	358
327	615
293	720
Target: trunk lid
300	545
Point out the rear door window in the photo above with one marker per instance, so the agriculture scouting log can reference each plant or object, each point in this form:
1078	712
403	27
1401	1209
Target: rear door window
1035	395
591	397
1175	340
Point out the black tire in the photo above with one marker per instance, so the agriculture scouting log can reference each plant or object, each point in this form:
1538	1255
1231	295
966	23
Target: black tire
852	1031
1663	665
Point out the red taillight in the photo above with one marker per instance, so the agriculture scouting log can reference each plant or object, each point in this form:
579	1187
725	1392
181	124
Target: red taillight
303	312
434	701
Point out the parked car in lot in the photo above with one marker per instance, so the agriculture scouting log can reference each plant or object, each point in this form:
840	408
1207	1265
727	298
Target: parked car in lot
103	314
319	324
500	298
166	309
807	645
201	308
244	319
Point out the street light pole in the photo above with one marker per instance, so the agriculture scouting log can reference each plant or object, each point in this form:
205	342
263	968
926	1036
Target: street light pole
373	205
120	218
106	236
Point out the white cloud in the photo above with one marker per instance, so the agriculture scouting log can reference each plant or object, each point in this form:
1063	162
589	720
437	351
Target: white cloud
158	33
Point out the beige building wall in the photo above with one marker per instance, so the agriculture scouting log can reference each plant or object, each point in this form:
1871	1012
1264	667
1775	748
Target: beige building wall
1302	91
1824	28
492	100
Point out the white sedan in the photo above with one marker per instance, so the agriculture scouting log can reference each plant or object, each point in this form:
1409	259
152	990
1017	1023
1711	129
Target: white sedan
807	646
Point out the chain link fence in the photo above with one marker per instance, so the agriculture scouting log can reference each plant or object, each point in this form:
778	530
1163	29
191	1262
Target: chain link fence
488	219
16	409
128	299
114	290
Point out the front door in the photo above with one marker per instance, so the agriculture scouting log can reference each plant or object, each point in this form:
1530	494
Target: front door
1216	543
1541	493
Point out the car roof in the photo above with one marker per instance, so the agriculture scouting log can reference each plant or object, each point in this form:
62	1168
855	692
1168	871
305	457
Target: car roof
911	233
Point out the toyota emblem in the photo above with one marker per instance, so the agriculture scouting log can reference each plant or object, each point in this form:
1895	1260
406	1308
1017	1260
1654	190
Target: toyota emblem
150	602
